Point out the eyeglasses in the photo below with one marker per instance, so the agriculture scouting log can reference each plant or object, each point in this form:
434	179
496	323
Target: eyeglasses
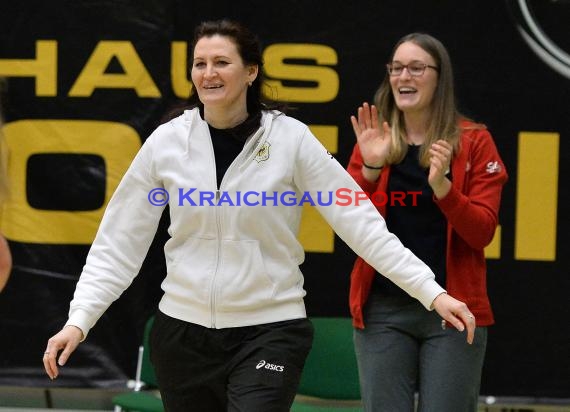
415	69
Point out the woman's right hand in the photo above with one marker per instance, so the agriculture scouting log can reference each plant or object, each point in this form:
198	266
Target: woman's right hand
374	143
67	340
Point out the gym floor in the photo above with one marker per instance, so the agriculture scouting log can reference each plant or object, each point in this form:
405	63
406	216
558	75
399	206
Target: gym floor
19	399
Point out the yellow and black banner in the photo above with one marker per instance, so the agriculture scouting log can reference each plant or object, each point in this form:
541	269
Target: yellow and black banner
85	83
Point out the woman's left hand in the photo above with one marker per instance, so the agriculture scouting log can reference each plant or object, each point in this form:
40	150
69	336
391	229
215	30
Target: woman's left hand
440	161
456	313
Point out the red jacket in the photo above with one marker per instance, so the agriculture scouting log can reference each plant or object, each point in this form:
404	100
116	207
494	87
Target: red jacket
471	208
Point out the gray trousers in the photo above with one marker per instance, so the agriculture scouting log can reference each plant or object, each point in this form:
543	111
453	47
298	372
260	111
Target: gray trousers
403	350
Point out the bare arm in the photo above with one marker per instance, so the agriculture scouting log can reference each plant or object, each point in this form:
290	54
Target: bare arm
5	262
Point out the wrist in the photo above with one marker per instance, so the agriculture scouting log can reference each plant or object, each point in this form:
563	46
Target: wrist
76	330
432	306
441	190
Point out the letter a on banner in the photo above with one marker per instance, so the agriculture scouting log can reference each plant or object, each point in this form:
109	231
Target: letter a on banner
94	74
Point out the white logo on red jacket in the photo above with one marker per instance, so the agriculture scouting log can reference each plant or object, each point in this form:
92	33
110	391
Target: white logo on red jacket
493	167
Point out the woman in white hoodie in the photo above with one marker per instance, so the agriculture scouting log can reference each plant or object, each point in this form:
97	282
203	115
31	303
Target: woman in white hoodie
231	332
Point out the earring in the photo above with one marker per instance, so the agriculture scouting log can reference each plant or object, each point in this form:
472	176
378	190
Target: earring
249	84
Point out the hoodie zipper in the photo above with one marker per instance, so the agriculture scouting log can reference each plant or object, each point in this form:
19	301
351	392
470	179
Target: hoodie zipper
219	243
219	211
218	252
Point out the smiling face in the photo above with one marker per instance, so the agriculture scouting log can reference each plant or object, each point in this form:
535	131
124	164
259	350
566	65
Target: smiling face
220	77
413	94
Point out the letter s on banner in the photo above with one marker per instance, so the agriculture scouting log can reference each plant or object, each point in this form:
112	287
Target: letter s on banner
116	143
277	69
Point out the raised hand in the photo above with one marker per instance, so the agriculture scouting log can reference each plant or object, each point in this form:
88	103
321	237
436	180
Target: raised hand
374	143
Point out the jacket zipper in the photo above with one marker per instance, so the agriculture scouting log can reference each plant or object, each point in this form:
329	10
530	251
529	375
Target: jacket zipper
218	252
219	244
218	211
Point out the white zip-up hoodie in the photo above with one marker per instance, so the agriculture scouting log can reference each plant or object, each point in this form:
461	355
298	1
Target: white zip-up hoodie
232	265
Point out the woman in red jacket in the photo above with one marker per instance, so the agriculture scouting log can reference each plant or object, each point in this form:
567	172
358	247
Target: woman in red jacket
436	177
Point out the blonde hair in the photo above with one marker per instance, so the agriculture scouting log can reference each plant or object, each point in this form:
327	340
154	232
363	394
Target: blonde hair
445	117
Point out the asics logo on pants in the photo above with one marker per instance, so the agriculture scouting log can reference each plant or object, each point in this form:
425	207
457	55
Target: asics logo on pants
270	366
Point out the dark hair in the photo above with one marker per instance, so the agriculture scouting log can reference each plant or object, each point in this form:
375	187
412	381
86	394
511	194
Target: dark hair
249	49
